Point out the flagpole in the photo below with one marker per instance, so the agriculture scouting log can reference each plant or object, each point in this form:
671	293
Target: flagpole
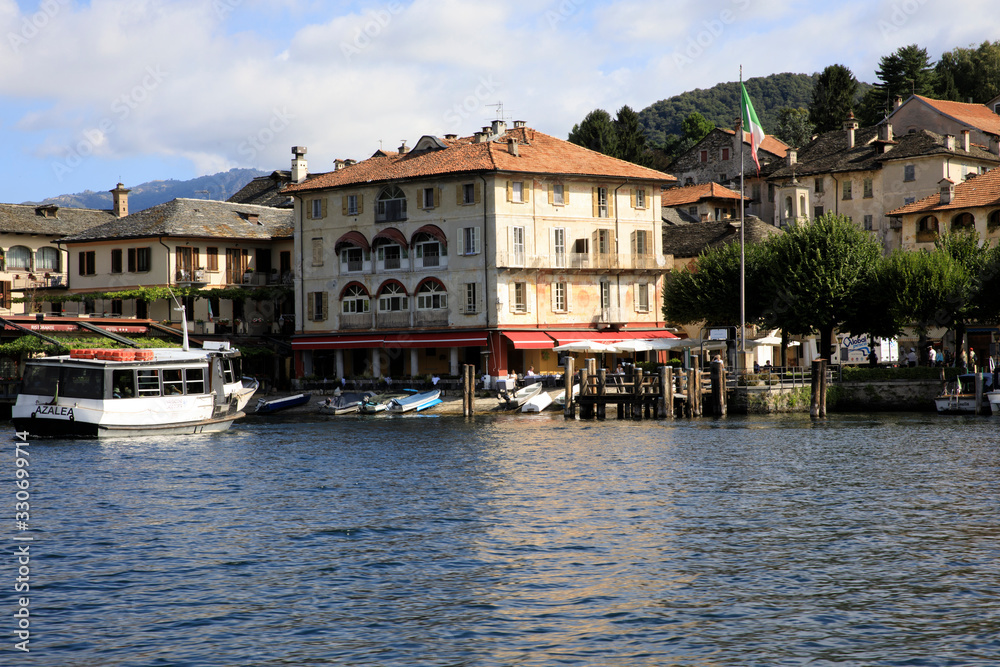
741	348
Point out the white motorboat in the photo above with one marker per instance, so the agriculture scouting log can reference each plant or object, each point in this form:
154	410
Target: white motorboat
415	402
560	399
127	392
344	403
537	403
960	396
520	397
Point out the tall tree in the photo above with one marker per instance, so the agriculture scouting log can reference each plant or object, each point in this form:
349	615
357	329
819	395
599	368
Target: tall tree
907	71
965	303
596	132
817	274
629	139
794	127
969	74
833	97
696	127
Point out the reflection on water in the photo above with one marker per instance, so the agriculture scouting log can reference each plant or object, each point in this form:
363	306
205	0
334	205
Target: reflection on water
528	541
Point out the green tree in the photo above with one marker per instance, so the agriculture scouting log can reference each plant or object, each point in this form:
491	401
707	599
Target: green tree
630	142
696	127
596	132
816	277
833	98
969	301
907	71
794	127
969	74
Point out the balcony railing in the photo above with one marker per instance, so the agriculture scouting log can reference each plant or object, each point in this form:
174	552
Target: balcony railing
430	318
355	320
577	260
392	319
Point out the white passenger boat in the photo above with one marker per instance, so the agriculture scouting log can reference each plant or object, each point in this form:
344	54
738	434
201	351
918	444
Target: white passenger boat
960	396
126	392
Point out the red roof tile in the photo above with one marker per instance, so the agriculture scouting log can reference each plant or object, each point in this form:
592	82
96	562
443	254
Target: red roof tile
690	194
771	144
983	190
538	153
976	115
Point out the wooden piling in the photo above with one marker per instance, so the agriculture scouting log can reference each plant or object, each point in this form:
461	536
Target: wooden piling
822	388
979	392
636	399
602	392
665	409
718	389
586	407
569	410
817	377
466	403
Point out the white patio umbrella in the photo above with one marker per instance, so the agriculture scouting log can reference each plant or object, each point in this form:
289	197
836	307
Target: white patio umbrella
584	346
633	345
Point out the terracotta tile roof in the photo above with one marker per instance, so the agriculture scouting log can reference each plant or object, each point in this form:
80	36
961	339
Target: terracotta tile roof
60	221
983	190
538	153
690	194
978	116
771	144
196	218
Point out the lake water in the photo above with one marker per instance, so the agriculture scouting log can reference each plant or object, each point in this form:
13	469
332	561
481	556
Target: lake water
515	540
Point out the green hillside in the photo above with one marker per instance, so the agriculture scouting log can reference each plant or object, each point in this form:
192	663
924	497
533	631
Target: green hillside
721	104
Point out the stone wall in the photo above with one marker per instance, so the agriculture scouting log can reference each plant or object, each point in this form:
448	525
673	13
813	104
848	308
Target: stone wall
888	396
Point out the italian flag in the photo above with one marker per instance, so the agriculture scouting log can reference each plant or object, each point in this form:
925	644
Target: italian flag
751	125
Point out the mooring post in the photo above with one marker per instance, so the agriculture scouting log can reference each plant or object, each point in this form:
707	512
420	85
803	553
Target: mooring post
822	389
602	391
979	392
569	410
465	391
718	388
635	401
586	408
666	407
817	378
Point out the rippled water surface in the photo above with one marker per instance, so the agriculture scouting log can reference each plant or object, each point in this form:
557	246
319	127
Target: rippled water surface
520	541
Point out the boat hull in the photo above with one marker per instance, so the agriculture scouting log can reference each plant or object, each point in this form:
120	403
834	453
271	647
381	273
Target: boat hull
42	427
416	402
537	403
960	405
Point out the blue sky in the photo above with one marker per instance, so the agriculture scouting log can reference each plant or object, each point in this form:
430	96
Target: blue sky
135	90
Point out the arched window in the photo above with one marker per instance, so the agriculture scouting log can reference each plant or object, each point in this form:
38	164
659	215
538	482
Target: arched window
927	229
963	222
802	203
390	204
431	296
47	259
788	207
993	222
355	300
393	299
19	257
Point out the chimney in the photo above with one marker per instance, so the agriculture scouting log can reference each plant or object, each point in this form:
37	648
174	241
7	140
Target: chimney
792	157
949	142
480	137
451	137
896	103
512	147
885	131
995	145
850	125
348	162
403	150
965	140
299	167
947	190
499	127
120	198
518	124
339	164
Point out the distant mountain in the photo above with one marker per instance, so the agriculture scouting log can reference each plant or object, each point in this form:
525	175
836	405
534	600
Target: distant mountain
219	186
721	104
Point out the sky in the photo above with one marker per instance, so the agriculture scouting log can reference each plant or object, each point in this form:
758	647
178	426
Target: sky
93	93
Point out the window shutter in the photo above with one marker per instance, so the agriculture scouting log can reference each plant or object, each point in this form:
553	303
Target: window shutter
459	194
612	247
510	191
361	200
596	240
322	212
311	306
552	295
478	192
650	295
512	293
526	188
631	192
635	297
461	240
569	300
566	194
633	241
594	196
552	197
195	259
475	240
343	204
527	299
611	203
437	197
326	306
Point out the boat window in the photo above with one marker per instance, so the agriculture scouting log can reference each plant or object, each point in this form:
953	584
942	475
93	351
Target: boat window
195	380
123	383
231	369
148	381
173	382
40	380
81	382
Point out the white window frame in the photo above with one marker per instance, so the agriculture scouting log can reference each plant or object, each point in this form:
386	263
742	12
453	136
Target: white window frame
602	202
355	301
471	298
517	192
352	204
316	209
559	246
558	194
605	295
642	298
560	302
517	245
470	241
393	295
520	304
432	297
640	197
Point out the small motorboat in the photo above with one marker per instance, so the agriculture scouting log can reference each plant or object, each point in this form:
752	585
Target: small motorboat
560	399
537	403
415	402
344	403
376	403
960	396
518	398
278	404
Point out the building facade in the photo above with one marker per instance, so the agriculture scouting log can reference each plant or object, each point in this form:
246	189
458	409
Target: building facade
488	250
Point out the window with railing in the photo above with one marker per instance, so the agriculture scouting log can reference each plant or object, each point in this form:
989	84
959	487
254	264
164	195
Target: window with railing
355	300
390	256
352	260
393	299
390	205
429	253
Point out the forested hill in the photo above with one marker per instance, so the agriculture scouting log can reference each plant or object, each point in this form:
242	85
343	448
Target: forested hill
721	104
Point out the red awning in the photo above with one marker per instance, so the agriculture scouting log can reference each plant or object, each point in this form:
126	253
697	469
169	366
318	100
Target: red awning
432	230
338	342
607	337
649	335
445	339
392	235
352	238
529	340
